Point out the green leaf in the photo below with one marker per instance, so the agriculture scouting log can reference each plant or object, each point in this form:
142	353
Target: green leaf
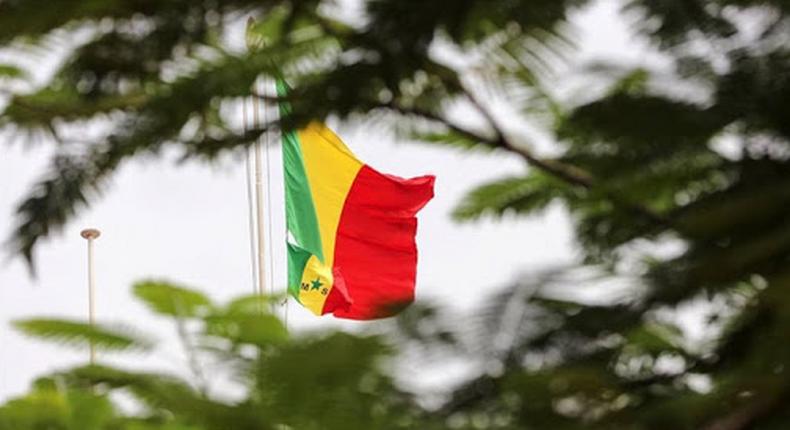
12	72
334	377
157	391
82	335
247	320
168	299
655	338
51	407
253	304
449	138
516	194
255	329
45	106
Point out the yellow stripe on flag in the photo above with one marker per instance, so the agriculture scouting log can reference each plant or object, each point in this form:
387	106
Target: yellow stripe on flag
331	169
317	281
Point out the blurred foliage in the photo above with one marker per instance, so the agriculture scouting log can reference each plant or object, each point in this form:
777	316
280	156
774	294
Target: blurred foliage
675	174
307	382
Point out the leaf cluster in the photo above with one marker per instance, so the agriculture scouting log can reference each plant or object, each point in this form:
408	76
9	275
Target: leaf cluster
331	380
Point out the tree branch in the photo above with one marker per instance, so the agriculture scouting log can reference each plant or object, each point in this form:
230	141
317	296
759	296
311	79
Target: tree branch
746	416
573	175
565	172
570	174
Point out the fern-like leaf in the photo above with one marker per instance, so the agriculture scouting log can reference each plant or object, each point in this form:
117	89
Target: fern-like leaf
81	335
517	194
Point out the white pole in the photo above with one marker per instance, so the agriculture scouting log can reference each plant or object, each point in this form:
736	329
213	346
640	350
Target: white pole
254	43
90	235
259	198
250	200
269	205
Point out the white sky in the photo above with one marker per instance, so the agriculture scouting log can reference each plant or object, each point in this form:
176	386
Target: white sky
187	223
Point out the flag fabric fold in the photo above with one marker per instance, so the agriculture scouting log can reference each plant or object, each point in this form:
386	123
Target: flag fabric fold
351	229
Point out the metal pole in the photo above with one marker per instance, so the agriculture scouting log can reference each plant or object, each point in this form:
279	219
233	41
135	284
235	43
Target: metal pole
259	197
254	43
90	235
250	201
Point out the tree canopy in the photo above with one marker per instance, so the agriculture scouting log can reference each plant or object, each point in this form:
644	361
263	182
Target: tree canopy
676	177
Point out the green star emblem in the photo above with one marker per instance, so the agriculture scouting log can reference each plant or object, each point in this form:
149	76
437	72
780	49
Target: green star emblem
316	284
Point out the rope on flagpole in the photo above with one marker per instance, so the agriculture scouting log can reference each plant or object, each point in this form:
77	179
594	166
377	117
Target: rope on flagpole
250	197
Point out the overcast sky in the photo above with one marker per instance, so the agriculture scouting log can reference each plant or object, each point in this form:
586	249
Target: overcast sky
187	223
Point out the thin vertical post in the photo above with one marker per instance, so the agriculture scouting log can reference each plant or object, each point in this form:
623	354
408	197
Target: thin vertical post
250	200
91	234
269	205
259	197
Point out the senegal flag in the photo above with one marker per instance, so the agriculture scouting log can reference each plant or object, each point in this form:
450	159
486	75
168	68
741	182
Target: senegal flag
351	249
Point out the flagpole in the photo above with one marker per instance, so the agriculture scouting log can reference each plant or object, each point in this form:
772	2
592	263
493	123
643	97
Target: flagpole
250	200
269	204
259	198
91	234
258	159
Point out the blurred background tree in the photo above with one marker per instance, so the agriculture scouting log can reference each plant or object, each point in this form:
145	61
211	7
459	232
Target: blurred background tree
676	175
314	382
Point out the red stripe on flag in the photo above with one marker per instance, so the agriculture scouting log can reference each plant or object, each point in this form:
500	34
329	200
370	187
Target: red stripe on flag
375	252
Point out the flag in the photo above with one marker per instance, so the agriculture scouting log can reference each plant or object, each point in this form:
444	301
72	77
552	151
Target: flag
351	229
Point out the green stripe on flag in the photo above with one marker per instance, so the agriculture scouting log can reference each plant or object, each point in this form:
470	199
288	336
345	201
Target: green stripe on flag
300	213
297	260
